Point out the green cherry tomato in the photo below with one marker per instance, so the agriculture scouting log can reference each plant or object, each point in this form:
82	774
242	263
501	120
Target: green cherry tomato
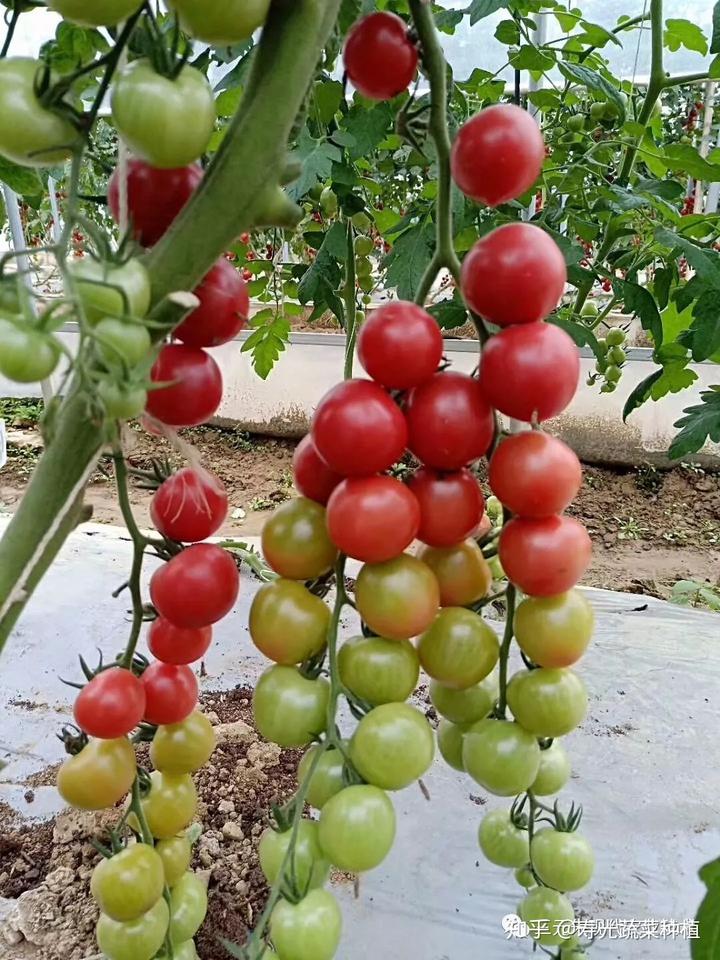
295	541
576	122
357	828
176	854
615	337
221	22
564	861
590	309
496	569
450	744
397	599
501	756
121	402
307	868
378	670
26	355
549	914
185	951
616	356
288	624
554	771
94	13
130	883
554	631
99	776
366	284
309	930
503	843
548	702
613	373
122	342
598	110
327	777
462	572
137	939
460	649
188	906
363	266
364	246
166	122
392	746
170	805
525	877
288	708
329	202
109	290
183	747
465	706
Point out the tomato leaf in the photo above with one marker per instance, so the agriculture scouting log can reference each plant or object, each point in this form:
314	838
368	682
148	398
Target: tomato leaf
267	342
594	81
701	421
532	58
684	33
705	263
706	326
408	259
368	128
641	302
715	41
479	9
317	158
707	945
582	335
449	313
640	394
684	157
22	180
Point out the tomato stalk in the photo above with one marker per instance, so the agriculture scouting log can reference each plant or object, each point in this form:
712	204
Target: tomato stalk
510	597
11	21
350	304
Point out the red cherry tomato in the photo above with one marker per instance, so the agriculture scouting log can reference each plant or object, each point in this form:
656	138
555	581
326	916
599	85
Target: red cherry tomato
110	705
451	506
178	644
498	154
194	388
189	506
380	59
544	556
530	370
372	518
358	429
450	423
154	197
516	274
535	474
223	311
313	477
400	345
171	691
197	587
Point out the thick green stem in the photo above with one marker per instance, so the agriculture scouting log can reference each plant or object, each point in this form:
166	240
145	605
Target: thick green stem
140	542
510	597
350	305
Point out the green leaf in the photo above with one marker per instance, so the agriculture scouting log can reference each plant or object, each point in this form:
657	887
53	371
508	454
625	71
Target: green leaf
508	32
683	33
449	313
640	394
322	278
326	99
706	326
710	872
596	35
700	422
705	263
715	41
317	158
594	81
582	335
674	320
544	99
684	157
407	261
267	342
368	128
447	20
479	9
532	58
661	290
639	301
665	189
22	180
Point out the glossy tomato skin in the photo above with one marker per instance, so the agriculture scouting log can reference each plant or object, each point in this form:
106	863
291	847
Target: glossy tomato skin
128	884
197	587
119	403
548	702
290	709
378	670
221	22
392	746
327	776
543	907
120	341
534	474
176	854
183	747
554	631
309	868
171	692
358	429
295	540
515	274
179	645
544	556
498	154
308	930
188	906
464	707
26	354
191	505
501	756
154	196
223	311
563	861
461	571
194	386
554	772
170	805
112	290
503	843
106	13
400	345
313	477
99	776
451	505
357	828
380	59
450	744
531	370
137	939
459	649
397	599
372	518
450	423
288	624
110	705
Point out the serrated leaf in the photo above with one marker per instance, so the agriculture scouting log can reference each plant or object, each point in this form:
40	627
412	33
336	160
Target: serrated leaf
317	157
324	273
706	326
639	301
368	128
701	421
407	261
676	377
479	9
640	394
266	343
327	96
684	33
532	58
508	32
594	81
22	180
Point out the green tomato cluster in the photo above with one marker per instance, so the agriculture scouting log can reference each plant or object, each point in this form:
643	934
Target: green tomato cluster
608	368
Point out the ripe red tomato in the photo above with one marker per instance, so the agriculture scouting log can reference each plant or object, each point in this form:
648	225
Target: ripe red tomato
530	371
544	556
380	59
154	197
535	474
189	506
197	587
400	345
450	423
313	477
451	506
516	274
110	705
171	691
498	154
177	644
358	429
223	311
372	518
194	388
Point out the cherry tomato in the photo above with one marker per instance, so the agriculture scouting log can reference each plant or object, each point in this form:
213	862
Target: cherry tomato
503	843
110	705
192	386
497	155
171	692
548	702
223	311
450	744
222	23
99	776
191	505
564	861
377	670
183	747
308	930
534	474
295	541
397	599
136	940
121	402
197	587
170	805
111	290
288	708
400	345
176	854
357	828
188	906
544	556
327	777
525	877
154	197
26	355
380	58
187	951
531	370
501	756
449	421
554	771
392	746
178	644
465	706
461	571
122	342
554	631
99	13
130	883
358	429
313	477
459	649
543	908
372	518
288	624
451	506
307	867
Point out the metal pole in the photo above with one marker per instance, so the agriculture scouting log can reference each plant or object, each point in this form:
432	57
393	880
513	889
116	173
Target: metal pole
709	104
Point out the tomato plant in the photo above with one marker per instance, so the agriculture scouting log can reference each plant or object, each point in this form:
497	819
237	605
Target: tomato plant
554	631
289	709
468	705
175	853
189	506
399	598
221	22
554	772
122	342
137	939
188	906
549	702
26	354
308	930
295	541
450	744
503	842
378	670
392	746
111	290
99	776
321	777
111	705
170	804
105	13
552	909
462	573
501	756
307	869
183	747
562	860
459	650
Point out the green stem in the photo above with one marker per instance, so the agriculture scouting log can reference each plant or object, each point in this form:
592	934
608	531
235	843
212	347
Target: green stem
137	808
510	598
336	687
682	79
11	25
140	542
350	304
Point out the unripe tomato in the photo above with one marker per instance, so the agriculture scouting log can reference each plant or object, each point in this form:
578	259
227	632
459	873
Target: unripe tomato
380	59
222	23
462	573
313	477
26	355
361	221
576	122
357	828
111	290
197	587
170	805
450	744
188	907
372	518
392	746
154	197
615	337
128	884
308	930
501	756
399	598
171	692
459	650
598	110
554	631
110	705
377	670
329	202
288	624
327	777
554	771
363	246
183	747
467	706
525	877
503	843
188	386
121	342
616	356
290	709
543	907
548	702
295	540
223	311
187	951
535	474
451	505
613	374
176	854
137	939
104	14
191	505
177	644
564	861
121	403
307	868
544	556
400	345
99	776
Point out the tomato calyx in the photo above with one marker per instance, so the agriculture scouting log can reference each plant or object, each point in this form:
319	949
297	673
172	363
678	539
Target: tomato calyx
73	739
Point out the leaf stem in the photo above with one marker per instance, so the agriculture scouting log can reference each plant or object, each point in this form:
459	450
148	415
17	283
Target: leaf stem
350	304
11	25
140	542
